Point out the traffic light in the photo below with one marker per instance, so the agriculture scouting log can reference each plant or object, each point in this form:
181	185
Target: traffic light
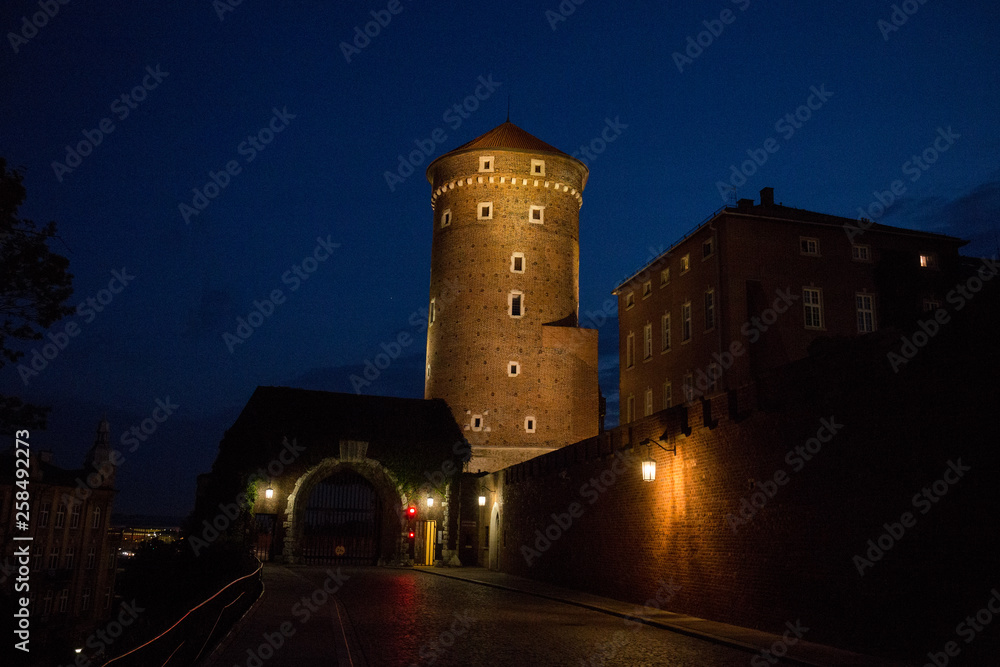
413	535
411	513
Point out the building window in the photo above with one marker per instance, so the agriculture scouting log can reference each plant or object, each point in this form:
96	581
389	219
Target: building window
513	369
686	322
107	597
707	248
688	387
47	603
866	312
647	342
808	246
536	214
812	307
96	523
685	264
629	300
53	558
85	600
538	167
446	218
43	515
931	305
648	408
91	558
861	253
485	163
664	277
647	288
476	422
709	309
484	210
517	262
36	559
928	261
111	560
630	350
60	516
529	424
665	335
431	312
64	601
630	409
70	553
74	517
515	301
668	394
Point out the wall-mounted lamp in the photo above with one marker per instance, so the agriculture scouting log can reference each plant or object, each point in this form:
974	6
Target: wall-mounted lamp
269	493
430	501
649	465
482	501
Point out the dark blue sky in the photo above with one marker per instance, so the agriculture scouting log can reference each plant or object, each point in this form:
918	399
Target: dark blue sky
885	94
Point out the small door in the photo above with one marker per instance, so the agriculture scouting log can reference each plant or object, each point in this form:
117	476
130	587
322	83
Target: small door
426	532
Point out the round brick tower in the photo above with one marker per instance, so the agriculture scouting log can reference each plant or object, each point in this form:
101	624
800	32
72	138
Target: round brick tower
503	344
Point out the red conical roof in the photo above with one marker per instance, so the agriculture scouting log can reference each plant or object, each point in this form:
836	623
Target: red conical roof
509	135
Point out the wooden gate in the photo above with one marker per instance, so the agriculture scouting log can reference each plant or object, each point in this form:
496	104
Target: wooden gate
342	522
264	527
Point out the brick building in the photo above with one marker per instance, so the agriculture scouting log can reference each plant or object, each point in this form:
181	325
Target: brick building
504	346
753	286
73	554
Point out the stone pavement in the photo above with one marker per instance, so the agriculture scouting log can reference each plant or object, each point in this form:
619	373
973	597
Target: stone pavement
802	652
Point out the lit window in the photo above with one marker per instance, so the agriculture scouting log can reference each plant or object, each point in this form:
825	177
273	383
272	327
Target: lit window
515	302
707	248
630	350
630	409
446	218
930	305
477	422
866	312
647	342
486	163
685	264
629	300
664	277
517	262
688	387
861	253
484	210
649	403
536	214
529	424
647	288
431	313
928	261
513	368
808	246
668	394
812	307
538	167
686	322
709	309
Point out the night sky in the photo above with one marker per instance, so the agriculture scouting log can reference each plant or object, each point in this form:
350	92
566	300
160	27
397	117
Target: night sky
299	125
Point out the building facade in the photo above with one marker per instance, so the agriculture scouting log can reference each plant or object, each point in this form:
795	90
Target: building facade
504	347
753	286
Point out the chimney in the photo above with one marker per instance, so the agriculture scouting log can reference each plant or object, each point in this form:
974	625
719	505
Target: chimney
767	196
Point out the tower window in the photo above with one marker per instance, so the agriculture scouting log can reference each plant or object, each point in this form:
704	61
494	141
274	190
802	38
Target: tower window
665	277
648	408
431	313
517	262
529	424
485	210
629	300
536	214
446	218
538	167
630	350
513	368
688	387
476	422
685	264
486	163
668	394
809	246
707	248
647	288
515	300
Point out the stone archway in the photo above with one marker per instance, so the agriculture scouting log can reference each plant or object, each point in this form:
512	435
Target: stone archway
391	504
494	563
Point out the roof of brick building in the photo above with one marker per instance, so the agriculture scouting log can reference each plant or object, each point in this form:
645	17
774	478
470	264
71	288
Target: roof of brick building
508	135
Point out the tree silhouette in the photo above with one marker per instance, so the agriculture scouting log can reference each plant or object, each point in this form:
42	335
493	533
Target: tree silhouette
34	287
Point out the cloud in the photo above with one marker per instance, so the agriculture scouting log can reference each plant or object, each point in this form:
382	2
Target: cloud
972	216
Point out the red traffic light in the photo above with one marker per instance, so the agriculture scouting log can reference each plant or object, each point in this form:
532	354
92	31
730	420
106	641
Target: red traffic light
412	534
411	512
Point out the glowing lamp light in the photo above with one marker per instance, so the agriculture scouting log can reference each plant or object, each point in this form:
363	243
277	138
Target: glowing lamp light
430	501
269	493
648	470
482	501
79	650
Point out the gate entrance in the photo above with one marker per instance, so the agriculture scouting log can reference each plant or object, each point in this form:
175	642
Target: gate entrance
342	521
262	538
